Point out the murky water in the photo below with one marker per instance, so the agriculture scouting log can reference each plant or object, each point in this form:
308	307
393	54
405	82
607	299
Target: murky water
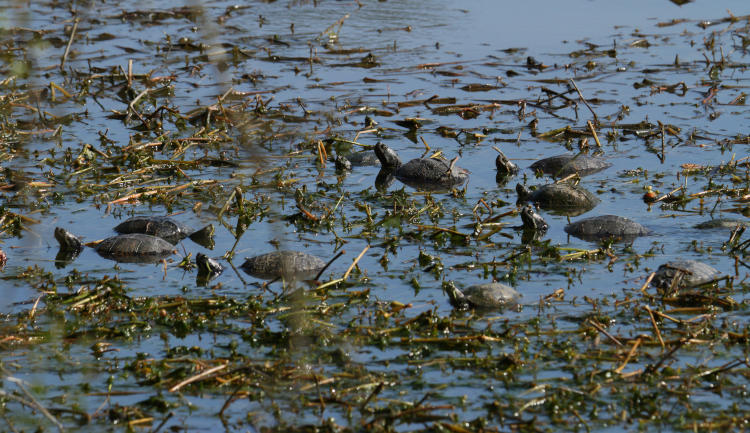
298	76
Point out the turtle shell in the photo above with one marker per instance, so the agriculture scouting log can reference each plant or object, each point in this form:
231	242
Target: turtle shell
565	165
720	223
691	273
283	264
563	198
160	226
606	226
135	248
491	295
430	174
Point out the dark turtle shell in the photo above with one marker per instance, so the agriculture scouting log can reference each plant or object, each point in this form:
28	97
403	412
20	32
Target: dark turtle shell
683	274
565	165
283	264
488	295
606	226
422	173
135	248
720	223
562	198
166	228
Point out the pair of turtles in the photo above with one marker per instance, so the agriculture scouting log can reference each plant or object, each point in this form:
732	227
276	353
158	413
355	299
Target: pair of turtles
428	174
557	166
140	240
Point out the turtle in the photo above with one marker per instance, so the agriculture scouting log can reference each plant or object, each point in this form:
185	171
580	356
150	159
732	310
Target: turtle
168	229
563	198
565	165
128	248
430	174
720	223
482	296
683	274
294	265
606	226
208	268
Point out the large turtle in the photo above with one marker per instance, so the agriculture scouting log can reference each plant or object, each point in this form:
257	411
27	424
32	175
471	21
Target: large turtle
290	265
128	248
683	274
429	174
486	296
606	227
565	165
563	198
167	228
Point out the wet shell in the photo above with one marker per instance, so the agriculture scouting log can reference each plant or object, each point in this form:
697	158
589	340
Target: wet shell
488	295
135	247
283	264
421	173
564	198
691	273
166	228
565	165
720	223
606	226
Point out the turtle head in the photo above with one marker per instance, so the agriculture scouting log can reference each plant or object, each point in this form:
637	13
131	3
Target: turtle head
387	156
455	296
67	240
522	191
504	165
531	219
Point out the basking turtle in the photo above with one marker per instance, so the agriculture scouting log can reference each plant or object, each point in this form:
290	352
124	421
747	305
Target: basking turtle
562	198
565	165
422	173
720	223
606	226
283	264
683	274
488	295
168	229
128	248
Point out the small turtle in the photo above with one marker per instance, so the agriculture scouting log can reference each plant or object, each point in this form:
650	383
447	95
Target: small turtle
422	173
565	165
504	165
128	248
683	274
532	220
283	264
562	198
168	229
720	223
487	296
606	226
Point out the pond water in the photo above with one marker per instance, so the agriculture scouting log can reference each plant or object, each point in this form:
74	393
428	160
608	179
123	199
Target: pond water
181	109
